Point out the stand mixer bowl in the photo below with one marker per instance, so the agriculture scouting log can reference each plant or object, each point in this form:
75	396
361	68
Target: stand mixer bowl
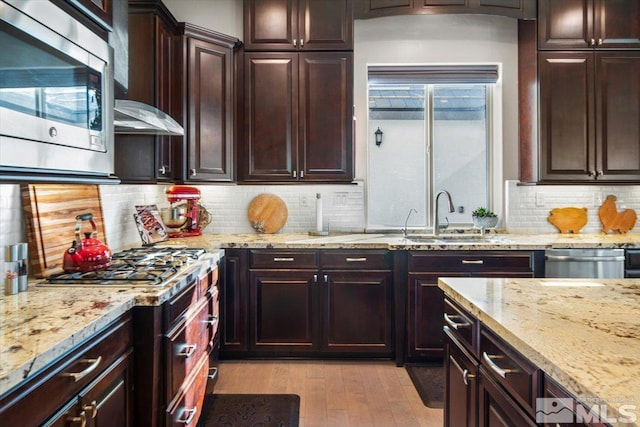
174	217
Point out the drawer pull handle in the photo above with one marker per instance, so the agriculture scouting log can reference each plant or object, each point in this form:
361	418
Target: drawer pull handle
451	321
363	259
92	408
284	259
472	261
494	367
466	376
81	419
212	320
188	350
213	373
190	414
77	376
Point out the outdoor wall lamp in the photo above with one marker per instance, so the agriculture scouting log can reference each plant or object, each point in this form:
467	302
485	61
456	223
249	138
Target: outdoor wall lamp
378	135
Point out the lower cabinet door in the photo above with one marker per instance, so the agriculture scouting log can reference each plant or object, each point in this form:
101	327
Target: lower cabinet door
284	307
496	407
461	390
358	312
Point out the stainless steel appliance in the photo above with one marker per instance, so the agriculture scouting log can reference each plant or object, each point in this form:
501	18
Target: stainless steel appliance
56	92
146	266
585	263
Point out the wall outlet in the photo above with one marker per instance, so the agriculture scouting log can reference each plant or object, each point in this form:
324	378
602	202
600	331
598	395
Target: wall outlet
303	200
340	199
539	199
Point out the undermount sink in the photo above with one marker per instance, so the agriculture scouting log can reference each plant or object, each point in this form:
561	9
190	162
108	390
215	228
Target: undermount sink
453	238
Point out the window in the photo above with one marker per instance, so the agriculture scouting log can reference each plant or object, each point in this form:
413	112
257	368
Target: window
436	136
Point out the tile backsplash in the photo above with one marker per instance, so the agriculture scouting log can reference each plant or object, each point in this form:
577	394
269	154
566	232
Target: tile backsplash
343	209
526	207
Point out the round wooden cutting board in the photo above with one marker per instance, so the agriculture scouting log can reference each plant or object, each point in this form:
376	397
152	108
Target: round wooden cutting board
267	213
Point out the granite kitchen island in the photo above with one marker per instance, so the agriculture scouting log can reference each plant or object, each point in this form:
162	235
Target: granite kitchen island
582	334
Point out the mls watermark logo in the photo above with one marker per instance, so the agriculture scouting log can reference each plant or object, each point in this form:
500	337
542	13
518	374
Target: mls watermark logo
567	410
554	410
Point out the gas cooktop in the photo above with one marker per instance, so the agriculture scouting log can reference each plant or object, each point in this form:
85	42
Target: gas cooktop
146	266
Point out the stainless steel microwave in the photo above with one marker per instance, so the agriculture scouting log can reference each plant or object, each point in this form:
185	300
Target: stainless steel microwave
56	92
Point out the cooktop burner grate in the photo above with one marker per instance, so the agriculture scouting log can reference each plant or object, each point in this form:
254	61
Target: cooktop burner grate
137	266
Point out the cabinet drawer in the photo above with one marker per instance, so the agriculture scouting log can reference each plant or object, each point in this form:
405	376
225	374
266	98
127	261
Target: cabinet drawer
349	259
186	407
472	261
180	304
462	326
510	369
283	259
187	342
43	394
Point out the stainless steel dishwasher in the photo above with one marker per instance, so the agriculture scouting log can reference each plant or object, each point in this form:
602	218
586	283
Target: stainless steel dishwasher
585	263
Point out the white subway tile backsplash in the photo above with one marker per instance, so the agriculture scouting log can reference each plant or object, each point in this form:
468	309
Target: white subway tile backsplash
227	204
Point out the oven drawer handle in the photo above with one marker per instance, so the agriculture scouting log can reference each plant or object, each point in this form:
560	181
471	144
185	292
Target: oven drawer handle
190	413
472	261
213	373
77	376
494	367
584	258
451	321
188	350
212	320
283	259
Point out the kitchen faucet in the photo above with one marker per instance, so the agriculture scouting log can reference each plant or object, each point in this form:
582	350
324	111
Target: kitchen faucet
404	230
436	222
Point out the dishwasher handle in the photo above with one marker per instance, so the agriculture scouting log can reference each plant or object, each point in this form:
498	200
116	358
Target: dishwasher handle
573	258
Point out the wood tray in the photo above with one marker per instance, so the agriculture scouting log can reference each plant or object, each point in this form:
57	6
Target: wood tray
50	213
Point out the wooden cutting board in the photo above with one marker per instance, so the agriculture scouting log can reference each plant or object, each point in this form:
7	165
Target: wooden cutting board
50	213
267	213
568	220
621	221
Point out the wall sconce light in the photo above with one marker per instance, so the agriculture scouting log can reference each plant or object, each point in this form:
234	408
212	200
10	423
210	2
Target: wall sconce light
378	135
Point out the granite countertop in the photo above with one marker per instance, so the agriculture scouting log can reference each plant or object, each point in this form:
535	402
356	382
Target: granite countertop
395	241
583	333
43	323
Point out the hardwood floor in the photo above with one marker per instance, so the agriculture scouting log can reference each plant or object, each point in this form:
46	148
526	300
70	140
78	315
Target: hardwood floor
335	393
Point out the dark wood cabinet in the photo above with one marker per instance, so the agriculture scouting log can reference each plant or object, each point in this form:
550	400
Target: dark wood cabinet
495	407
298	116
522	9
206	88
298	25
189	73
425	301
588	24
327	303
461	378
90	384
152	65
589	109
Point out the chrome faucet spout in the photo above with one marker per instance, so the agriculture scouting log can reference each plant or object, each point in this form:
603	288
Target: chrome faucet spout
404	230
436	221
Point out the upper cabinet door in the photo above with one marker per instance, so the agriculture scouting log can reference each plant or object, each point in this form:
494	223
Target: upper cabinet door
617	24
292	25
588	24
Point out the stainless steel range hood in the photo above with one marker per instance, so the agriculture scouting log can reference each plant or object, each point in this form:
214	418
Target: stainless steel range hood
133	117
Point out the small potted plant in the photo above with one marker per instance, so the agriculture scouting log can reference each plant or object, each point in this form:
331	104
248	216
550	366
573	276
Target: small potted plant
484	218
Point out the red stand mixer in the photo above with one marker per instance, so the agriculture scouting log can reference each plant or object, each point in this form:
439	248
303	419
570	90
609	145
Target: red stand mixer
185	215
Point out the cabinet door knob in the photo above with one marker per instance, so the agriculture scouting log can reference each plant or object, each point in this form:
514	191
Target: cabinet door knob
466	376
591	173
599	173
326	278
315	278
592	42
301	174
295	42
163	169
599	42
295	174
92	408
301	42
192	172
80	420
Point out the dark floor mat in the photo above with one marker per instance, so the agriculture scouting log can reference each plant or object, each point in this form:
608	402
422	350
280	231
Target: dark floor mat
249	410
429	381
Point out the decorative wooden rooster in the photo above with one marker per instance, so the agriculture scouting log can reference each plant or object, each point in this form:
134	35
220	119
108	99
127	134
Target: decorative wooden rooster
611	219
